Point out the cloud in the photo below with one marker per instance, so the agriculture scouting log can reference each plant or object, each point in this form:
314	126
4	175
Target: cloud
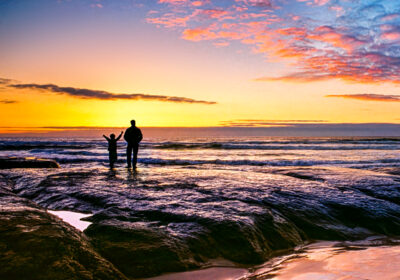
267	123
7	101
173	1
97	5
198	34
355	41
368	97
4	81
104	95
309	76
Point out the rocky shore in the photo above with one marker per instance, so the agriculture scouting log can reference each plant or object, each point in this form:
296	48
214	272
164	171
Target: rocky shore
37	245
14	162
153	222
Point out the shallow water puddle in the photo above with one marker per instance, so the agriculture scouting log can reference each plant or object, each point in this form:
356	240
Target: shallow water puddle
334	263
215	273
72	218
318	261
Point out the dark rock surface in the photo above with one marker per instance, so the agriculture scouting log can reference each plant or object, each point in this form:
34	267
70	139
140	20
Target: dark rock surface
37	245
150	223
138	249
13	162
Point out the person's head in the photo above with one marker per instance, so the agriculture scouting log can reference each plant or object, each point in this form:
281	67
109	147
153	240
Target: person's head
112	136
133	123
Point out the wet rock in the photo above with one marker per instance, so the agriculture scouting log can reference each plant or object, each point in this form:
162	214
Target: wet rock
159	222
300	173
147	242
13	162
37	245
167	244
140	250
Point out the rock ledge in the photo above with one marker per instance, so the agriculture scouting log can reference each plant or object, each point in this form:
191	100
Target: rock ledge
29	162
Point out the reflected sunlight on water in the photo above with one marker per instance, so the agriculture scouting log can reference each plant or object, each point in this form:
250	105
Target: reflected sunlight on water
318	261
72	218
323	261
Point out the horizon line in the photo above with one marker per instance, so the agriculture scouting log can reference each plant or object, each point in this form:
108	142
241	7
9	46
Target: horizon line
215	126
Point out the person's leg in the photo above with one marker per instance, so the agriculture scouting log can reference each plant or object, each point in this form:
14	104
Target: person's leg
128	155
111	160
135	153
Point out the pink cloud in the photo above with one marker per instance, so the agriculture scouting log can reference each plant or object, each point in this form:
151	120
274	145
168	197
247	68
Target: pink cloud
221	44
97	5
169	21
213	13
394	35
173	1
197	3
257	3
321	2
199	34
390	17
316	49
315	2
331	36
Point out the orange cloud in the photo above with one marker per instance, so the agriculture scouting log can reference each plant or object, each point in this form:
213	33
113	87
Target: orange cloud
8	101
199	34
368	97
266	123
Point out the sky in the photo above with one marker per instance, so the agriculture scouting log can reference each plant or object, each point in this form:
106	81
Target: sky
198	63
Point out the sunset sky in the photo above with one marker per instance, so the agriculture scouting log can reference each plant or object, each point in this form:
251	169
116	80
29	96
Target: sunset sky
198	63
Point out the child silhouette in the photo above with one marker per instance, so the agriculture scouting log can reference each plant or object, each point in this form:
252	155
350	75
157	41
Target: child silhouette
112	147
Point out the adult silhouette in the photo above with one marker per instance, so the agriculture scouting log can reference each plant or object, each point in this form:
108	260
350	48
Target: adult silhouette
132	136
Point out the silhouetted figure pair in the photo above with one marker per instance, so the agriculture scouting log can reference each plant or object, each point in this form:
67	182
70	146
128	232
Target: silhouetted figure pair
132	136
112	148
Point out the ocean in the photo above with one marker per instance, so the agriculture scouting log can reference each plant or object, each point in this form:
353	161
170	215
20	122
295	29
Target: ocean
194	201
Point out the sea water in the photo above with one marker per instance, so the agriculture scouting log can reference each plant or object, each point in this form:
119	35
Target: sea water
241	199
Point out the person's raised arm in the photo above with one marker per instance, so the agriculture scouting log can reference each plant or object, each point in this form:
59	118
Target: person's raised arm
108	139
119	137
